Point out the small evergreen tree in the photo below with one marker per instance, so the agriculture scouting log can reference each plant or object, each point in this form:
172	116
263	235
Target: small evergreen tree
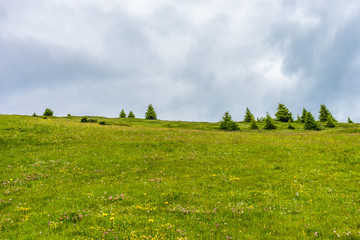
131	115
323	113
290	126
248	115
330	122
283	114
253	124
34	115
48	112
227	123
122	114
269	123
303	115
349	120
310	123
150	114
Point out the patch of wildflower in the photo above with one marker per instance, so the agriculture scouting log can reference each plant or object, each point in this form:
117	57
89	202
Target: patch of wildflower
117	197
71	217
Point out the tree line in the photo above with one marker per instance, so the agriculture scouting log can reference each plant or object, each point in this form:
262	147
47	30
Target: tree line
282	115
150	114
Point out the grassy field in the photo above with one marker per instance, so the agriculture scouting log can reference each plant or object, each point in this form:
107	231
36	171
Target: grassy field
138	179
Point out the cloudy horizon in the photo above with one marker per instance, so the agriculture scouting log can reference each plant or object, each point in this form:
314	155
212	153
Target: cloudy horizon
192	60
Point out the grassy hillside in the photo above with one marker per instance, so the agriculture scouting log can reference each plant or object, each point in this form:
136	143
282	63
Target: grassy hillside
138	179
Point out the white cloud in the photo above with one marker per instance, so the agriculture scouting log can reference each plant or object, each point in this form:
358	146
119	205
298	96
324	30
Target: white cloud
192	59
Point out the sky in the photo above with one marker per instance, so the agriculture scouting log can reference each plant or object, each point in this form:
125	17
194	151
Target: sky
191	59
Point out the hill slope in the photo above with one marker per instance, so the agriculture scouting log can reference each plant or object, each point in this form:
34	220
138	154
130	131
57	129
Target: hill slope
62	179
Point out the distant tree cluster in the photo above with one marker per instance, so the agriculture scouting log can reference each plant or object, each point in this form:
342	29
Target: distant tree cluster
123	114
283	115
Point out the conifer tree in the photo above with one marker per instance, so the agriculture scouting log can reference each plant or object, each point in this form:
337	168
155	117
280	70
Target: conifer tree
227	123
310	123
131	115
253	124
269	123
283	114
150	114
122	114
349	120
323	113
303	115
330	122
248	115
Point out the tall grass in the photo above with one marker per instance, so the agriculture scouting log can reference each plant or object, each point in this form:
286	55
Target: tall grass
138	179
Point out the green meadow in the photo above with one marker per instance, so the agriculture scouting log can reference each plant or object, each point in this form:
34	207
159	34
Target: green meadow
152	179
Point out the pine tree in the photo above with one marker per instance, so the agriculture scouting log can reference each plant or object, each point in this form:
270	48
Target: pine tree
349	120
248	115
330	122
150	114
323	113
253	124
269	123
131	115
122	114
48	112
227	123
310	123
303	115
283	114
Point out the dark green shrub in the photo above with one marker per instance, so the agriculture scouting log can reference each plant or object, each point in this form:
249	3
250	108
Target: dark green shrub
48	112
329	122
253	124
69	115
92	120
349	120
291	127
248	115
34	115
84	120
310	123
269	123
283	114
227	123
122	114
150	114
131	115
102	123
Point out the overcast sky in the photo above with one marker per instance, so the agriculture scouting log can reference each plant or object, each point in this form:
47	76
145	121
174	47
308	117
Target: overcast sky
192	59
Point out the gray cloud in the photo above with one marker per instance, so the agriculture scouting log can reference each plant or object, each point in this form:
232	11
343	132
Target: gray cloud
193	60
